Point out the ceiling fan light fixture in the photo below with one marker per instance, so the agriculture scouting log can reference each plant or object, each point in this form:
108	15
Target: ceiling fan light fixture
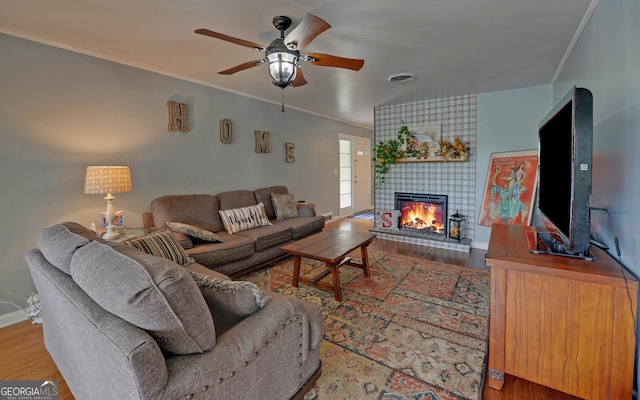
283	53
282	67
402	78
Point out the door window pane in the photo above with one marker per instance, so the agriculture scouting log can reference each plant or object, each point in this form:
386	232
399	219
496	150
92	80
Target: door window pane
345	173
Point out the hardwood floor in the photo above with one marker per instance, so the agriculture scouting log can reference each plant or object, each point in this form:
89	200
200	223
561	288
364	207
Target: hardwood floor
23	354
24	357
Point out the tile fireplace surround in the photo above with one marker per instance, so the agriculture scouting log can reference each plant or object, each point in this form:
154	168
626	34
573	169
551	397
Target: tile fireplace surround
457	117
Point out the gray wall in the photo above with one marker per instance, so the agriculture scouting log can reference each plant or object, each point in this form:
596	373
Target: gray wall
61	111
606	60
507	121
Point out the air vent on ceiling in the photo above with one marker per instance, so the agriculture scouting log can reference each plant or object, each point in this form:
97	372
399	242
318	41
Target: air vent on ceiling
402	78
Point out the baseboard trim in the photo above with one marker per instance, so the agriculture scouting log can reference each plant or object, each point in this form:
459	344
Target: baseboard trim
12	318
480	245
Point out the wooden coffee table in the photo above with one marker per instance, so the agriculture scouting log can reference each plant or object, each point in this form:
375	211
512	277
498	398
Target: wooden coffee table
332	247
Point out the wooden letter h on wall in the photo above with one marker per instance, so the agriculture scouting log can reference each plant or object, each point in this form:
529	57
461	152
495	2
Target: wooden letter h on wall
178	116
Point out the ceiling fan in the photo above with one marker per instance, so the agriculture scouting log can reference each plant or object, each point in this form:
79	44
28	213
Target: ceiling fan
283	53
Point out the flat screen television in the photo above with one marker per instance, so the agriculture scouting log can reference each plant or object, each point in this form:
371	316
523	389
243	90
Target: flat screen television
565	151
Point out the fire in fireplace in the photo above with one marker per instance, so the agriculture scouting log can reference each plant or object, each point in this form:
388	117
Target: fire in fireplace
425	213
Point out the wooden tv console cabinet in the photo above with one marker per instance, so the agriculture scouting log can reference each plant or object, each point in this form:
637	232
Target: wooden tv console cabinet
561	322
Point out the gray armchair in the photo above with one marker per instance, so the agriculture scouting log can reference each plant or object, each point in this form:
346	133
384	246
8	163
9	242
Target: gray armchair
154	335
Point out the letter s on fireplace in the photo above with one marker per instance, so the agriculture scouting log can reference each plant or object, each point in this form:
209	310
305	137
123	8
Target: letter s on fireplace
387	219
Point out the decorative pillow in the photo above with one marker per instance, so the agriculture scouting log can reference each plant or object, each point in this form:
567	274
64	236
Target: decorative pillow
229	301
194	231
240	219
284	205
150	292
161	244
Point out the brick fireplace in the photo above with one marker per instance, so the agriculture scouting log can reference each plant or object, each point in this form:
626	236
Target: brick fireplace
454	180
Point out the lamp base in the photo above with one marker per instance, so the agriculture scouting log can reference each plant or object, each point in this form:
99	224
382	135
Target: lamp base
110	215
111	233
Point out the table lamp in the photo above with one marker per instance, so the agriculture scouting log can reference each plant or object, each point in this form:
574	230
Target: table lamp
108	180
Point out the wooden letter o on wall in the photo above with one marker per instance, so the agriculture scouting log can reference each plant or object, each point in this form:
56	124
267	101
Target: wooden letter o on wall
226	131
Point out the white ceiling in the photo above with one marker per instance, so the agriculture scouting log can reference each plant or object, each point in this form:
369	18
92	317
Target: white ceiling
454	47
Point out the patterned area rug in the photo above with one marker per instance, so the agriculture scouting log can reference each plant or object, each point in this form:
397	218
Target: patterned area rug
415	329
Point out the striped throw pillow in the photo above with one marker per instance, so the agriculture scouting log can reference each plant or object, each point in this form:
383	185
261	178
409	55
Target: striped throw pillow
161	244
240	219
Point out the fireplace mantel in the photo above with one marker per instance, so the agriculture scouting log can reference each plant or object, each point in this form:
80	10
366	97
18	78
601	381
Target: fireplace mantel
432	159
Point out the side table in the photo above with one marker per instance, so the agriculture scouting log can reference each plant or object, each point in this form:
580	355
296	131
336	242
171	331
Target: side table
128	233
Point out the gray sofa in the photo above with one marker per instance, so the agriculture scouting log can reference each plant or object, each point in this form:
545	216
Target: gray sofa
123	324
242	251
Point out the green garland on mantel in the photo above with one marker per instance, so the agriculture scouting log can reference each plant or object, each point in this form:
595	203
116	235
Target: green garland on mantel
386	154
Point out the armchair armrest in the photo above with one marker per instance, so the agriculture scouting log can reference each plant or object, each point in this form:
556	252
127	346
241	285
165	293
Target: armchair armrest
229	301
267	353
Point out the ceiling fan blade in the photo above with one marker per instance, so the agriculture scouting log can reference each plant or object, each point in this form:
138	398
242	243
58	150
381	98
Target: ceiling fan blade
326	60
303	34
299	80
231	39
241	67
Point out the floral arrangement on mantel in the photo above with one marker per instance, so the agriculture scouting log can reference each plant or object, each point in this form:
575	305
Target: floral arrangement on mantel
386	154
454	151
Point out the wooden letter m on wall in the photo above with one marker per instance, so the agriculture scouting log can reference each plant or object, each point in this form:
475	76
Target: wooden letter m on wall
178	116
262	142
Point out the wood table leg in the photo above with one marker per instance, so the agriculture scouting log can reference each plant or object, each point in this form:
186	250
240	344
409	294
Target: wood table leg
296	270
365	261
337	289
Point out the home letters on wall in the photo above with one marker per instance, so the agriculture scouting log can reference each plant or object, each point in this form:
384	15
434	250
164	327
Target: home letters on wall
178	116
262	142
226	131
289	152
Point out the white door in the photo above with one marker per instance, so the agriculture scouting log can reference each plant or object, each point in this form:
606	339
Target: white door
355	174
346	175
362	174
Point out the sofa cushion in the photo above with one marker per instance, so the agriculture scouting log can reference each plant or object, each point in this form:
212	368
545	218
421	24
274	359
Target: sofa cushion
194	231
236	199
200	210
240	219
229	301
303	226
266	237
59	242
263	195
161	244
234	248
152	293
285	206
184	240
